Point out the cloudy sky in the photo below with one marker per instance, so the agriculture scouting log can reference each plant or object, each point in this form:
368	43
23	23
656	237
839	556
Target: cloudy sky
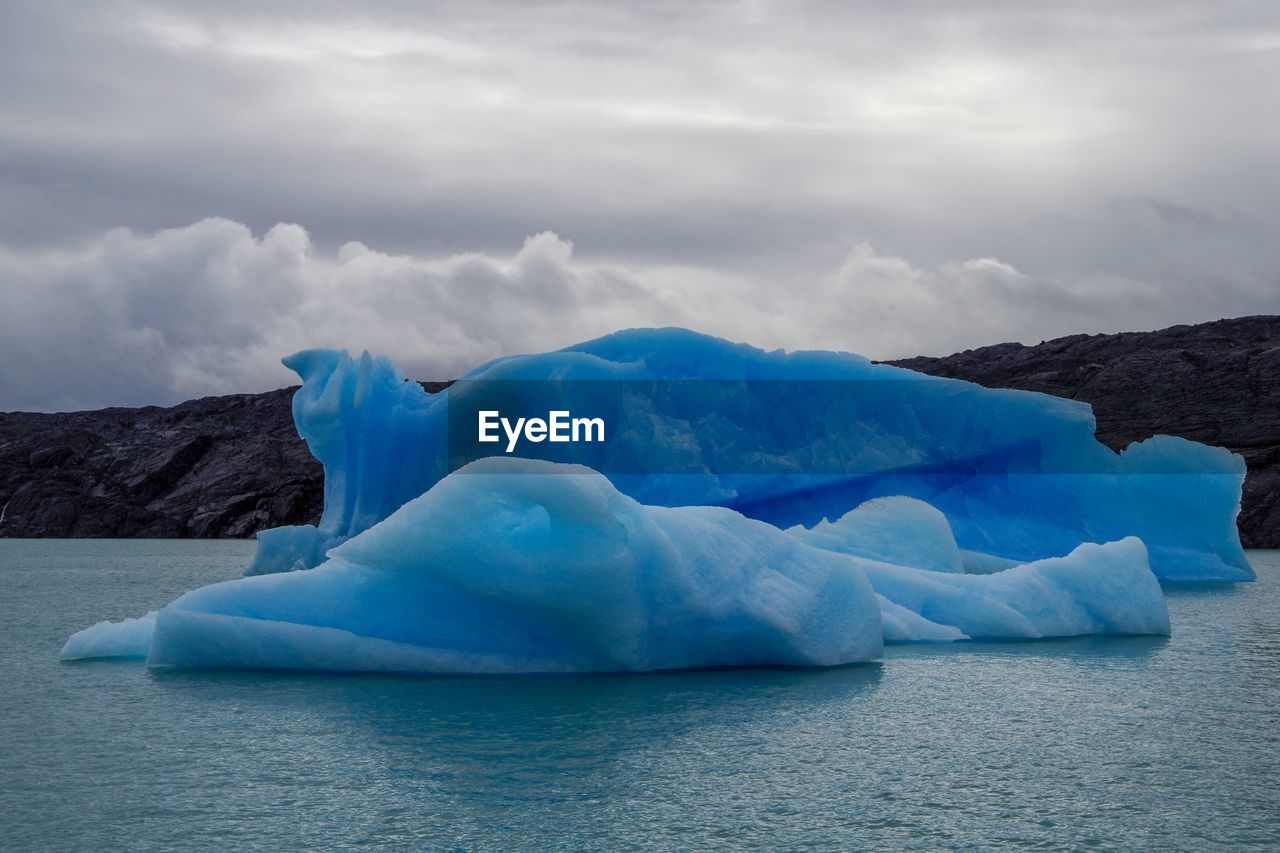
190	191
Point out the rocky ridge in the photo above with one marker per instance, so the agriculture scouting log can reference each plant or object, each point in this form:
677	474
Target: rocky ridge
230	466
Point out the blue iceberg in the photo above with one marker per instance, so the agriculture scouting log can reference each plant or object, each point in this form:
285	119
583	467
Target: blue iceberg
788	438
741	507
518	565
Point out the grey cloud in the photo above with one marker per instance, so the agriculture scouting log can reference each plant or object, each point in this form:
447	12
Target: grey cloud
639	128
210	308
707	159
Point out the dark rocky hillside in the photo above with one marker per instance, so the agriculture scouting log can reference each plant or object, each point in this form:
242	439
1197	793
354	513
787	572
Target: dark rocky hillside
1218	383
229	466
215	467
220	466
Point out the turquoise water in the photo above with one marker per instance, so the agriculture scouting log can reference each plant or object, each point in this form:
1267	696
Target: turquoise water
1124	743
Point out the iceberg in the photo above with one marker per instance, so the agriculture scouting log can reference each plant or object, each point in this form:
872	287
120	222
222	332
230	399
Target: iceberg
789	438
736	507
526	566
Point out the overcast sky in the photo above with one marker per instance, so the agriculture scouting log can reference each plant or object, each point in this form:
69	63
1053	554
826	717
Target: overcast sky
189	192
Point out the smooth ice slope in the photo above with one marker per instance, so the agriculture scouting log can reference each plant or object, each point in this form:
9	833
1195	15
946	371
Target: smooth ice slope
128	638
897	530
526	566
1018	475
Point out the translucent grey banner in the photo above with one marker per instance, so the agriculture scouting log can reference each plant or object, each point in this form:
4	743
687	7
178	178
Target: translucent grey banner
798	428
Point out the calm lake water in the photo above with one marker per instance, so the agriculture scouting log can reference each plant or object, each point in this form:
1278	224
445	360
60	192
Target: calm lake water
1123	743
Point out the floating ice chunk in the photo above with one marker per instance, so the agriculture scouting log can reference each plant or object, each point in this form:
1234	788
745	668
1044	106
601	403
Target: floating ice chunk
128	638
898	530
512	565
1096	589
